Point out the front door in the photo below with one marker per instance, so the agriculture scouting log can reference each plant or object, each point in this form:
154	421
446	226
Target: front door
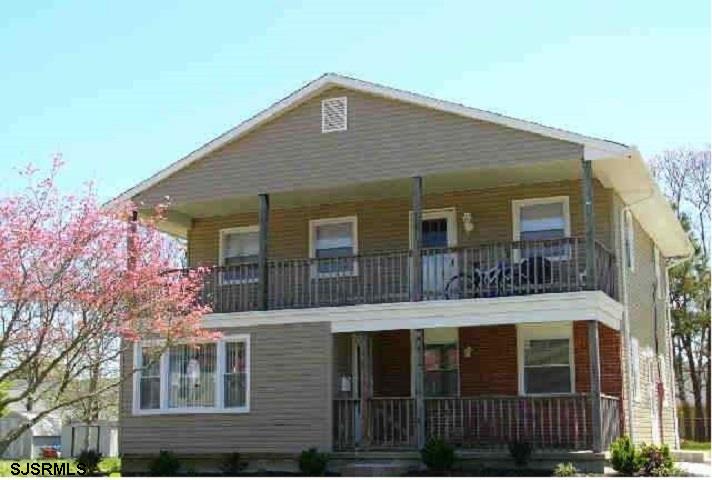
438	261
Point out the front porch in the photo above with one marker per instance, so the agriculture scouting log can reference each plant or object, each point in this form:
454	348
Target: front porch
477	388
552	422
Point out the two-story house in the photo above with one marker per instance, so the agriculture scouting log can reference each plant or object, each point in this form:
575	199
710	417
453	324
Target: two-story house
391	268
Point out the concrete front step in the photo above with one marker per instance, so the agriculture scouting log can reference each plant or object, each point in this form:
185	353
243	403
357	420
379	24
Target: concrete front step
377	469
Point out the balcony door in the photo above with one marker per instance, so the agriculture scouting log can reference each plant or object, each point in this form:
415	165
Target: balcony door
439	263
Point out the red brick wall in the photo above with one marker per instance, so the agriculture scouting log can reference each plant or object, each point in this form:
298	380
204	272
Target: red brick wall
391	363
492	367
610	348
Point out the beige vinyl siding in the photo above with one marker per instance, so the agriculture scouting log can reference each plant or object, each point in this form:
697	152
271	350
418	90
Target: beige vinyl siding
290	404
383	223
386	139
642	306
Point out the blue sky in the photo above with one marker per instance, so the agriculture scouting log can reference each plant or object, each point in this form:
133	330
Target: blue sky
121	89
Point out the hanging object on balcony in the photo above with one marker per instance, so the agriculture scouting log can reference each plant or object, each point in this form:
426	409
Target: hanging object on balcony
467	222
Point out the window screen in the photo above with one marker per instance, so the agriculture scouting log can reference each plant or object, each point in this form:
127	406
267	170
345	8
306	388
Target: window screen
332	242
542	221
240	252
547	367
192	375
235	375
150	379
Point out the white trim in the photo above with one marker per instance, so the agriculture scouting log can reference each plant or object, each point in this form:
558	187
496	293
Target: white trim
594	148
545	331
518	204
449	213
353	219
221	250
547	307
219	382
346	115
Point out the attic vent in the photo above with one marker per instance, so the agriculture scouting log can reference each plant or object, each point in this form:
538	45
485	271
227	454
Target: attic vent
333	114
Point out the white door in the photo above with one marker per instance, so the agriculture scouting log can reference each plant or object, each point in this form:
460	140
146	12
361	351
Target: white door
439	262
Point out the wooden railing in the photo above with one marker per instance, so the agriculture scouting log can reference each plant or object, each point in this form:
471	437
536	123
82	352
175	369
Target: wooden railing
611	417
553	422
491	270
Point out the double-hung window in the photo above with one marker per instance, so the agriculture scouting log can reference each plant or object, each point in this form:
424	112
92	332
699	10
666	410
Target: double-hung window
200	377
541	224
546	359
333	242
239	250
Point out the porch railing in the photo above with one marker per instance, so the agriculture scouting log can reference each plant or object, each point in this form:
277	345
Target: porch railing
555	422
491	270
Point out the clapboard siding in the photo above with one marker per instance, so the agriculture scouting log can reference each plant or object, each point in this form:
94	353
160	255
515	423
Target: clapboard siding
290	404
386	139
383	223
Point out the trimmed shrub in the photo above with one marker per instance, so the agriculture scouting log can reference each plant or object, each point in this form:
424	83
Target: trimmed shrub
521	452
313	463
625	458
438	455
565	470
166	464
233	464
656	461
90	459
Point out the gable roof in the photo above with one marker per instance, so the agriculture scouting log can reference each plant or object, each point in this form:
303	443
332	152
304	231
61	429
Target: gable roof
594	148
619	166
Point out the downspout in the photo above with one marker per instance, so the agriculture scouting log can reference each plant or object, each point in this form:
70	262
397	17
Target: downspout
674	262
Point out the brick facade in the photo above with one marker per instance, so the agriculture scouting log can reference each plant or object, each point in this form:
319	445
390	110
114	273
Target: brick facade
610	348
492	365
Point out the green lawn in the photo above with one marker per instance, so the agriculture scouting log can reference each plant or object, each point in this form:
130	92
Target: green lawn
692	445
107	465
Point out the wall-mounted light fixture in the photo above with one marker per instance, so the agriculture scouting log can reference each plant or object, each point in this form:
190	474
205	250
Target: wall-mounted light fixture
467	222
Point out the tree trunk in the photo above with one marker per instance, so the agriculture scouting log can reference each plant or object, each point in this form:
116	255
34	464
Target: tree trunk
699	430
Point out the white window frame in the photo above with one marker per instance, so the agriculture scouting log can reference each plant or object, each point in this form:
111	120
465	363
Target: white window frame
313	224
221	259
449	214
628	232
219	381
659	278
516	223
543	331
323	115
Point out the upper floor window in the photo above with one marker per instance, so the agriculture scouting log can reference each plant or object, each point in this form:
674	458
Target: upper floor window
542	223
204	377
628	240
546	359
334	242
334	114
239	249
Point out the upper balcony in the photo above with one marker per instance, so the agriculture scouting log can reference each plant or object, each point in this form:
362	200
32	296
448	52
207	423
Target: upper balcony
484	271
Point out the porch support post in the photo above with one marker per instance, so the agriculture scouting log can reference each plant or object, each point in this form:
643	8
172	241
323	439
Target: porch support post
365	387
417	348
589	224
416	278
594	360
262	270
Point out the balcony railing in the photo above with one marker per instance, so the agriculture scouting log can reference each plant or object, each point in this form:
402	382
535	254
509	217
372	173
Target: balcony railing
485	271
555	422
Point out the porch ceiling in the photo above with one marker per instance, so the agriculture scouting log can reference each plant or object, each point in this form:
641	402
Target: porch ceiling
181	214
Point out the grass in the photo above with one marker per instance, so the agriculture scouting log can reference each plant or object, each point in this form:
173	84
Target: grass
693	445
111	466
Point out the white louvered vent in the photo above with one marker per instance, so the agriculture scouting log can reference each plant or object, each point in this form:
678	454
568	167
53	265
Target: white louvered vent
333	115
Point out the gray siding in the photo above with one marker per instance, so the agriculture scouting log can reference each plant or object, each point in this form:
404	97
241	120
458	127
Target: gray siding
385	140
643	309
290	402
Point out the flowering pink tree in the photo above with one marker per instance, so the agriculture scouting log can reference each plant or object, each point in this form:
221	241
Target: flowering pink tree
78	283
